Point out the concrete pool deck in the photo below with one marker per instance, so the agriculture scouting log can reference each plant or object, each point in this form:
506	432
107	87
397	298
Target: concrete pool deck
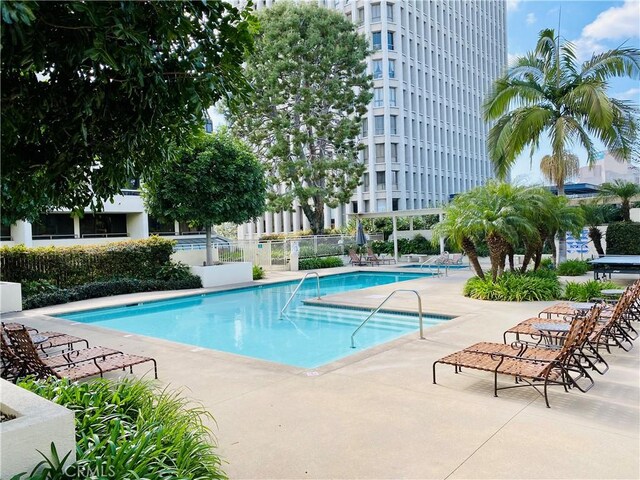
377	414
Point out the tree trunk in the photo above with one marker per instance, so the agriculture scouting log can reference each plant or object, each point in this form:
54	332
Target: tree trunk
497	247
596	236
209	258
625	209
315	215
552	244
510	254
470	250
562	237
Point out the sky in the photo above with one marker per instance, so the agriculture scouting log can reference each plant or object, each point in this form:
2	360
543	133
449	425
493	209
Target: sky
593	27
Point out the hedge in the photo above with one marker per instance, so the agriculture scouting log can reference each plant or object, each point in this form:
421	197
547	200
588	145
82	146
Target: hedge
70	266
107	289
515	287
320	262
623	238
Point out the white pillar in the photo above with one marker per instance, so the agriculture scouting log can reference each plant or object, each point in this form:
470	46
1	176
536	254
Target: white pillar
305	222
440	217
296	219
395	238
277	222
138	225
21	232
260	223
268	220
286	221
327	217
240	232
339	216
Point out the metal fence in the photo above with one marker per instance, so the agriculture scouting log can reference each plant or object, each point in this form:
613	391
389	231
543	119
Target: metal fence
275	254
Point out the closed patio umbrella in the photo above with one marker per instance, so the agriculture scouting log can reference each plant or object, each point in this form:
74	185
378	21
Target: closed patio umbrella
361	238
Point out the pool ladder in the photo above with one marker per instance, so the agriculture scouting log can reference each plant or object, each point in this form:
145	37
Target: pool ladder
353	344
286	305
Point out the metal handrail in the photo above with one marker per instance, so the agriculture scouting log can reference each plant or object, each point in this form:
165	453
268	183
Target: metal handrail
432	261
298	288
353	345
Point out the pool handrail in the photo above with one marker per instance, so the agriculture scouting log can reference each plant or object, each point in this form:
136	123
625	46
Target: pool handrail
353	345
298	288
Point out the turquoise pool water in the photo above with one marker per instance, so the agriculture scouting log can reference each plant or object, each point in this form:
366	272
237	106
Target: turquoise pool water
451	267
247	321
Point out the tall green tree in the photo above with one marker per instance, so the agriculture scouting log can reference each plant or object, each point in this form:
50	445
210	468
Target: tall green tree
594	217
213	179
310	93
548	92
622	190
94	93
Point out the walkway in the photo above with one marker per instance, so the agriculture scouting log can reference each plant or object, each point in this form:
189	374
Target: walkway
378	415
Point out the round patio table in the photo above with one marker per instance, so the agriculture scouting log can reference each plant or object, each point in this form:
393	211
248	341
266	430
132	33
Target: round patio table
612	292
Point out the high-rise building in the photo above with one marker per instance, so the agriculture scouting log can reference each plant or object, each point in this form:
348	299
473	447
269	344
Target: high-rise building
424	134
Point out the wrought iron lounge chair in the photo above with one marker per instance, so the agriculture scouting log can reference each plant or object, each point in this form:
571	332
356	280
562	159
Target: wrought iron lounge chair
354	259
75	369
554	367
372	257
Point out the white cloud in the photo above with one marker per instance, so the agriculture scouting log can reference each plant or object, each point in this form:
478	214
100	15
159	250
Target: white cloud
586	47
512	5
616	22
512	57
531	18
631	94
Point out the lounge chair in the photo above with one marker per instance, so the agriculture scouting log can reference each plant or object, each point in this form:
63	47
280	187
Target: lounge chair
542	368
53	339
354	259
455	259
25	351
372	257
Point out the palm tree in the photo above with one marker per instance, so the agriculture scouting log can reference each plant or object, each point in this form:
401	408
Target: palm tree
593	217
623	190
558	169
548	92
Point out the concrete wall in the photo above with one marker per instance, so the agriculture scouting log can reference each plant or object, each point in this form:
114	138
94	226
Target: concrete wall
10	297
226	274
38	423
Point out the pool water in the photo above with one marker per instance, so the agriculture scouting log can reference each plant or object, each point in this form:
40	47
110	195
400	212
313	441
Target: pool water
247	321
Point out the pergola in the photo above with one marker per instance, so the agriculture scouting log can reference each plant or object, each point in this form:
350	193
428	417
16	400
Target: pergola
394	215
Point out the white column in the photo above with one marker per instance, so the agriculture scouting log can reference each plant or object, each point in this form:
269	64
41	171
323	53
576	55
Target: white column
138	225
268	220
286	222
327	217
305	222
260	223
277	221
240	232
21	232
296	219
440	217
339	216
395	238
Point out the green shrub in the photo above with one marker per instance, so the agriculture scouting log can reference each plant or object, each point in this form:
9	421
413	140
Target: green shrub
258	272
514	287
129	429
70	266
573	268
585	291
622	238
319	262
36	287
173	271
106	289
547	263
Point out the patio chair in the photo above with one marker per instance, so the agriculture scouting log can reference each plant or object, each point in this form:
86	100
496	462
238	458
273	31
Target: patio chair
372	257
75	369
54	339
455	259
354	259
536	369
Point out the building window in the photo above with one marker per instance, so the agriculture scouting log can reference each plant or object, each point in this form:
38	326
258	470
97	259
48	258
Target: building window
379	152
159	227
378	97
375	12
366	206
377	69
104	225
348	15
381	205
364	131
390	12
186	229
365	155
393	125
394	179
392	97
394	152
360	15
5	233
392	69
379	124
53	226
380	181
376	40
354	207
394	204
365	182
390	41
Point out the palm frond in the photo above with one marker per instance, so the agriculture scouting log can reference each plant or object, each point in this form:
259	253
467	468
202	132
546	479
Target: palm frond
619	62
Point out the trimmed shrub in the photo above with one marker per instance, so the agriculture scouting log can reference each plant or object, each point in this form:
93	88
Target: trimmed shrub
585	291
514	287
70	266
573	268
174	271
38	287
319	262
258	272
623	238
130	429
106	289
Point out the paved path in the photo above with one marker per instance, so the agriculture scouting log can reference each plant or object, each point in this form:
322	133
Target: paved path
378	415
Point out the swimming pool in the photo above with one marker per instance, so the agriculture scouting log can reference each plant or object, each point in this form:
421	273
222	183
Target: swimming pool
247	321
432	266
